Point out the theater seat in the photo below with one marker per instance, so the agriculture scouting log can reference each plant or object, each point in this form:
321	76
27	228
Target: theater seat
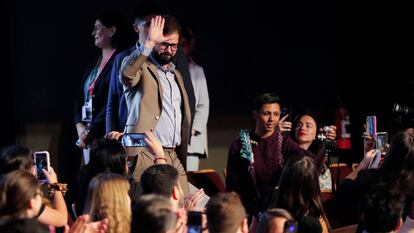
338	172
207	179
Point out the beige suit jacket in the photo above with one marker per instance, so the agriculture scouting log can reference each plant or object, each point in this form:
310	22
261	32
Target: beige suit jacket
143	72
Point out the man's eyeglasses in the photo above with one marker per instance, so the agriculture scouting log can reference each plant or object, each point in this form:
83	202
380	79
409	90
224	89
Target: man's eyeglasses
165	45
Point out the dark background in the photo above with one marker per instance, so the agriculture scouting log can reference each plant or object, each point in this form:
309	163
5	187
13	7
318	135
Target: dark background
309	52
245	48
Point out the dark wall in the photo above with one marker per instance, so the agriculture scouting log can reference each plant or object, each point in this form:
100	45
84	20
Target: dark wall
373	47
8	129
245	48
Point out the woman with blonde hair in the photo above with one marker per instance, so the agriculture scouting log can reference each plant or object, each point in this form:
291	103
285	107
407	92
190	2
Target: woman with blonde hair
108	198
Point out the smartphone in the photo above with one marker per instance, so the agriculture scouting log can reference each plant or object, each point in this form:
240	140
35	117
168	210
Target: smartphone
73	207
194	221
290	227
371	122
382	145
382	142
42	161
286	111
134	140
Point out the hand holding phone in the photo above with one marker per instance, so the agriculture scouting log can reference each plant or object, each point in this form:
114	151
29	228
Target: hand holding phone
382	142
154	144
197	199
285	123
375	162
42	161
287	111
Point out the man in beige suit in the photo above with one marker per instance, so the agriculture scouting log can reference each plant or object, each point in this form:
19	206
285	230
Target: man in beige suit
156	98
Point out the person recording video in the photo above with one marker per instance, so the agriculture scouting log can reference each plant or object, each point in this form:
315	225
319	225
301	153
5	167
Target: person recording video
311	136
263	150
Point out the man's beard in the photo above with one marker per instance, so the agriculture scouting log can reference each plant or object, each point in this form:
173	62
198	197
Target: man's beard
162	58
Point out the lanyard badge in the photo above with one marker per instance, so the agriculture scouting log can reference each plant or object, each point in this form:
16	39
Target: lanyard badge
87	110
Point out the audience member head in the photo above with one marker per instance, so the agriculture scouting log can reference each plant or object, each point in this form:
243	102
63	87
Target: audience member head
188	39
162	179
20	195
15	157
298	190
382	209
305	133
153	214
171	26
410	130
306	129
141	26
164	52
266	113
399	160
22	225
276	221
226	214
142	18
108	198
107	155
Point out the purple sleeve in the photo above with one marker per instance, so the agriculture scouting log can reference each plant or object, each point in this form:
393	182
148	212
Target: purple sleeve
233	169
290	147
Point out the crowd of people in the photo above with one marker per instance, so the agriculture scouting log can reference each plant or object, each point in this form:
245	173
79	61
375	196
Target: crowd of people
275	173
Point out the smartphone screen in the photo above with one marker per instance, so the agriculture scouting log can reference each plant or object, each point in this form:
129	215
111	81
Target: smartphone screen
290	227
285	111
134	140
371	122
41	159
382	141
194	222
